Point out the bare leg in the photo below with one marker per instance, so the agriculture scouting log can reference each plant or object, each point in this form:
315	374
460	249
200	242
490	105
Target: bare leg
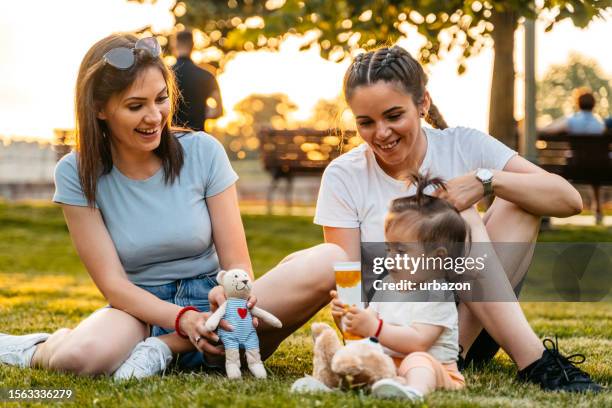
45	350
421	378
419	372
92	348
177	344
512	332
295	290
515	260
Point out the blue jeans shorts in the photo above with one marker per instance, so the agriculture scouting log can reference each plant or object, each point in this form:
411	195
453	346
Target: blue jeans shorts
184	292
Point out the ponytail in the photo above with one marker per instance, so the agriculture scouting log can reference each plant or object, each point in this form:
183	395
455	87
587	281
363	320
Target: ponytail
435	118
422	182
436	221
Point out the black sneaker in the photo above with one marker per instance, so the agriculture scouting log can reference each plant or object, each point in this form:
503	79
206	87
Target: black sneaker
556	372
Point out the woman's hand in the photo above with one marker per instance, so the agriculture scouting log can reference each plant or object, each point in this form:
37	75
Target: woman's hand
362	322
462	192
216	297
192	323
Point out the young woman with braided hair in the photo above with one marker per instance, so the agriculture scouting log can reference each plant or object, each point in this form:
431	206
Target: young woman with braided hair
386	91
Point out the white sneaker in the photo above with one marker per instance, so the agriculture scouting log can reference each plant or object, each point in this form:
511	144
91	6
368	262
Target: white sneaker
18	350
388	388
148	358
309	384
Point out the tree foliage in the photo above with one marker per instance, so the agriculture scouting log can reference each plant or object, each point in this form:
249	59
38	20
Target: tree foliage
253	112
240	135
557	86
265	109
328	114
341	27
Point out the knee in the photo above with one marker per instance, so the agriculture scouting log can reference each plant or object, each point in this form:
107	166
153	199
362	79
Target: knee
415	359
326	256
79	358
514	210
331	253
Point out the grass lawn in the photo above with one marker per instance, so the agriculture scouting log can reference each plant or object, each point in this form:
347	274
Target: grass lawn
43	287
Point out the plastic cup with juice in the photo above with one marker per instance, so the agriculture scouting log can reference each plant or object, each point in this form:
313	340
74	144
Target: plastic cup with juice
348	286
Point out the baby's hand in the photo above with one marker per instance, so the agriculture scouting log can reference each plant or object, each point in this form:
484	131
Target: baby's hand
338	308
362	322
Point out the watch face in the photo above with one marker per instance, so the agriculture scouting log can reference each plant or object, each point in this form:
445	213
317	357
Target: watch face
484	174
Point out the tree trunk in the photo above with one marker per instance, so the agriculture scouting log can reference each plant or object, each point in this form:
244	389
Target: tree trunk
501	106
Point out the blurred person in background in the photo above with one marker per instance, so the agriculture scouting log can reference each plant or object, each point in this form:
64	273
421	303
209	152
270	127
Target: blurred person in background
200	96
582	122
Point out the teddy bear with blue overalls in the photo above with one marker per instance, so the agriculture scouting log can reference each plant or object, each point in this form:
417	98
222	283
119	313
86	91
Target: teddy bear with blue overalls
237	285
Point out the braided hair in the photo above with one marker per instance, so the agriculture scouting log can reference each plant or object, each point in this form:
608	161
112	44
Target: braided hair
435	220
393	64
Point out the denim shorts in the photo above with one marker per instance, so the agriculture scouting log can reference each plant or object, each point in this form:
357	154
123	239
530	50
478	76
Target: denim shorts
184	292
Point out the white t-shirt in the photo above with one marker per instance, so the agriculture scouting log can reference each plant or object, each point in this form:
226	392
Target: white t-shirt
355	192
446	348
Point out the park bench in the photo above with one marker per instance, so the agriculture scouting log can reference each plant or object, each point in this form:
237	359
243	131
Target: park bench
287	154
580	158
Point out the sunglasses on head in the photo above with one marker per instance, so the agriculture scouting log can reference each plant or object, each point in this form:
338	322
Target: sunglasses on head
124	58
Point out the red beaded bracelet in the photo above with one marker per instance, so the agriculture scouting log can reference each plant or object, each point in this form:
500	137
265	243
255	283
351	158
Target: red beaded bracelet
380	324
178	317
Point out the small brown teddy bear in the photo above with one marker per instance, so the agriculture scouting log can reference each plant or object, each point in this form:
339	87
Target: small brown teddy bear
358	364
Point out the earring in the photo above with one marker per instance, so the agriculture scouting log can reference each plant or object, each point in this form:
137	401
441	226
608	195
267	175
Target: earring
422	114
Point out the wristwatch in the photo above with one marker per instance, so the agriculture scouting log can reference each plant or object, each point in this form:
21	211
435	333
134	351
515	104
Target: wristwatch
486	178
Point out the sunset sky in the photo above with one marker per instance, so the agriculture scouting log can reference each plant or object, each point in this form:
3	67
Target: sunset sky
42	43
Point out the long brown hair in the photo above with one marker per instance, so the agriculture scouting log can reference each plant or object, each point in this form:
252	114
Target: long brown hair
96	83
393	65
435	220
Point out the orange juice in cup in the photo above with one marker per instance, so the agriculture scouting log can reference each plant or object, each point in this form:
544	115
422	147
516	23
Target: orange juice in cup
348	286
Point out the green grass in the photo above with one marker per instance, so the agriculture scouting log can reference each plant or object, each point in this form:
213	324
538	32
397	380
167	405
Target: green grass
43	287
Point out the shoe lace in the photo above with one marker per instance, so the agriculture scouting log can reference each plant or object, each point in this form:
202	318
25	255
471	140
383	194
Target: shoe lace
565	363
147	358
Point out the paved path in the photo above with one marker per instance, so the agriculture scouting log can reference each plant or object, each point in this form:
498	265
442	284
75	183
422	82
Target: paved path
581	220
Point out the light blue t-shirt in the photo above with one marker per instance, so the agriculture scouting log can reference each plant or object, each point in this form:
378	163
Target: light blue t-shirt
585	122
162	232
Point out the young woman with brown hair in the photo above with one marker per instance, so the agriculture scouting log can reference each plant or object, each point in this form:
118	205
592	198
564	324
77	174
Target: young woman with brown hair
386	91
153	213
